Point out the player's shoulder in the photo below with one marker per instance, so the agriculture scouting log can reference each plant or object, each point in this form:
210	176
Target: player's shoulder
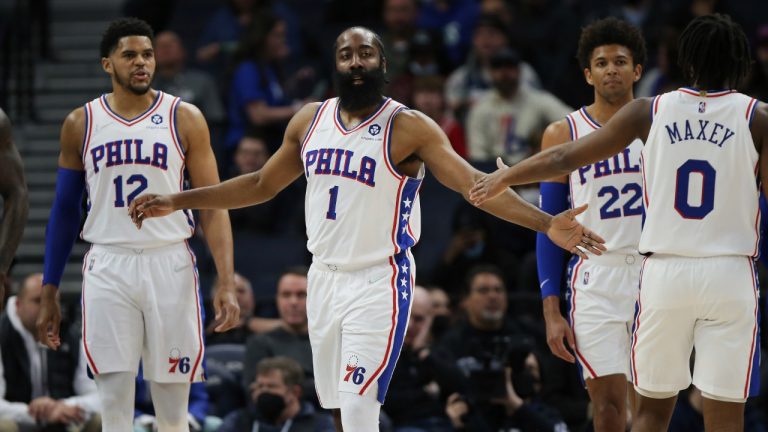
186	111
74	121
556	133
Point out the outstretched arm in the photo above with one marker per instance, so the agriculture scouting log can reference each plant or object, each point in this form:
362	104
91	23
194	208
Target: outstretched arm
631	122
201	165
13	188
432	146
281	169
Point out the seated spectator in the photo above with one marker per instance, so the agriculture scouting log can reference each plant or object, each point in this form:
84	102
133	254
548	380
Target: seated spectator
509	120
414	401
455	18
282	215
291	337
471	244
248	322
428	98
193	86
276	402
199	421
42	390
257	92
472	80
522	407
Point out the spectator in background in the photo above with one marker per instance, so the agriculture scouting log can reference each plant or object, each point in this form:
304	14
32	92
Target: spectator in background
509	120
666	76
193	86
399	18
291	337
282	215
428	98
442	312
757	83
455	19
276	402
482	347
471	244
256	95
249	324
472	80
42	390
520	400
414	402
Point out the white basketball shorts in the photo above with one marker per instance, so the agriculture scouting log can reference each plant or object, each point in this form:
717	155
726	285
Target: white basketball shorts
357	322
143	304
706	304
601	306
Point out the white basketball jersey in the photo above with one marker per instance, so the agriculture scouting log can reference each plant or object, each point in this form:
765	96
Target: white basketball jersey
359	209
613	189
126	158
700	171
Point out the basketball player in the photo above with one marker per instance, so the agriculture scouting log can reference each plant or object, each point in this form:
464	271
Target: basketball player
602	291
13	188
363	157
140	288
702	152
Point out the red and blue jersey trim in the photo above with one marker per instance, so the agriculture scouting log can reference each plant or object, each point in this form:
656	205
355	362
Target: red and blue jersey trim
88	111
130	122
312	126
636	327
588	118
707	93
340	125
752	384
751	111
402	294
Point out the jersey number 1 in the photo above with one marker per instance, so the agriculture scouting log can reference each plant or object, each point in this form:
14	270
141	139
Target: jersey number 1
118	181
334	193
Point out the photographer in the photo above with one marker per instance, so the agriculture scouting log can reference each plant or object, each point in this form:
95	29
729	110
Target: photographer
503	378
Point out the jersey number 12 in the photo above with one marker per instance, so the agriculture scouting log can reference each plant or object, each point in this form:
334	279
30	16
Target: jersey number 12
134	179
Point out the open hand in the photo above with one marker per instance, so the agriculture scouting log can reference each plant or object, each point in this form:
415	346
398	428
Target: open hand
489	185
566	232
150	205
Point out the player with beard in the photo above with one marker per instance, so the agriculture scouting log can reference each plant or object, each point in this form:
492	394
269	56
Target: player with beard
140	289
363	157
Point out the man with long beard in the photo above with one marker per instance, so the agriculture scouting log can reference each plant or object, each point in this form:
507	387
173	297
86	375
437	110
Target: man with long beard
140	289
363	157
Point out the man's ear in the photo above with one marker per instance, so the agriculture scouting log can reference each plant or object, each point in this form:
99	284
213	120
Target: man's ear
106	64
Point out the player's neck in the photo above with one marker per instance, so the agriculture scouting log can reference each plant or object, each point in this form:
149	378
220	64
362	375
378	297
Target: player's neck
128	104
603	109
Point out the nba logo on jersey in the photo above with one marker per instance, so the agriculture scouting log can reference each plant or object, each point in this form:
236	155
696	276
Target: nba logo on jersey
586	278
374	129
702	107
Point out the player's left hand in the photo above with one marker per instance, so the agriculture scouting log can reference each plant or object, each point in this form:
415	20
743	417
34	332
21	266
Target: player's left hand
227	309
566	232
489	185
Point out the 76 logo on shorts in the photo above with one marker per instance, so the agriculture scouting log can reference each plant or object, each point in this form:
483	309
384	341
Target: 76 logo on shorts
178	362
353	370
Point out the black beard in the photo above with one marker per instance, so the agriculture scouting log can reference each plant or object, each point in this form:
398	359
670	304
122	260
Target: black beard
356	97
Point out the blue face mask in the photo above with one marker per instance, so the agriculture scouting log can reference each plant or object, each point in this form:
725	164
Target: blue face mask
475	251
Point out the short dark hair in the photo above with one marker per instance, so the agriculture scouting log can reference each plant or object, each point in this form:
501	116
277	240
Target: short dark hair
121	28
291	370
376	40
297	270
481	269
610	31
713	51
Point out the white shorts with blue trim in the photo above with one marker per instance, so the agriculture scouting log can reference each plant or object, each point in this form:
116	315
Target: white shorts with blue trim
706	304
143	304
357	323
601	306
